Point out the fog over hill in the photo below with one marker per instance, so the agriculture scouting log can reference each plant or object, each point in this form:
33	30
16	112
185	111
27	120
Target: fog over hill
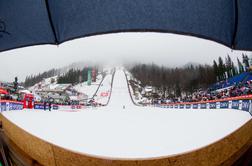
163	49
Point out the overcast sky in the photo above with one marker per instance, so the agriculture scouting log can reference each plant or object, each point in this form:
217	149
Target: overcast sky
160	48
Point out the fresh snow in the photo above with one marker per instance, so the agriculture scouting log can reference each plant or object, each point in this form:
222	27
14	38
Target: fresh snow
105	87
89	90
130	133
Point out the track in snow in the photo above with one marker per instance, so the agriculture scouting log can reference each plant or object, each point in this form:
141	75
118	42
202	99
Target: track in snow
120	96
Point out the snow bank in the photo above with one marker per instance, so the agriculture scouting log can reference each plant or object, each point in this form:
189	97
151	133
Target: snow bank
139	132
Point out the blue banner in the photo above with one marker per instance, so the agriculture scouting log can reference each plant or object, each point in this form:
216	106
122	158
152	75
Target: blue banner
224	104
212	105
3	106
245	105
40	106
195	106
181	106
203	106
55	107
6	106
250	111
15	106
188	106
235	104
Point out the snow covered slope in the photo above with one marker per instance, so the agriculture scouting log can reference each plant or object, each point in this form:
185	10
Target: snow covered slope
120	96
104	91
89	89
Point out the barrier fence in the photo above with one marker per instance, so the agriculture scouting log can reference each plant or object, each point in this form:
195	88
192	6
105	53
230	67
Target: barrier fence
40	106
243	103
6	105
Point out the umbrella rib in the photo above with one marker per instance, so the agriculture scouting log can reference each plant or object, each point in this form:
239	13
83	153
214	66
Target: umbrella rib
236	25
51	22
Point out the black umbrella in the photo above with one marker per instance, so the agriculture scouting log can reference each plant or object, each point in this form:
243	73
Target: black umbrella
31	22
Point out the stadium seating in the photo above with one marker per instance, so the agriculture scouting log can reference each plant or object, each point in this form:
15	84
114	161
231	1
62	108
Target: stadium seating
241	78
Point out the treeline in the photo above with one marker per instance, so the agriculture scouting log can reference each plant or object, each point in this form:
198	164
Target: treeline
70	77
33	79
73	76
174	81
224	70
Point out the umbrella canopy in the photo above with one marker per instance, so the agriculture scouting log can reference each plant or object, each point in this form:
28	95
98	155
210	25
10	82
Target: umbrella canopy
2	91
30	22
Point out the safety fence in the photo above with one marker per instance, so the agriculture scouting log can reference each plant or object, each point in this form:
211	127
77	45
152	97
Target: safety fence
41	106
243	103
7	105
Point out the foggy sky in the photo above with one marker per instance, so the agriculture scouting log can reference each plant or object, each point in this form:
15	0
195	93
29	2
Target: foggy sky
163	49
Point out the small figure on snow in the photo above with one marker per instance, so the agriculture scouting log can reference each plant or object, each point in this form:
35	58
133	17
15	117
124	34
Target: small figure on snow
44	105
50	105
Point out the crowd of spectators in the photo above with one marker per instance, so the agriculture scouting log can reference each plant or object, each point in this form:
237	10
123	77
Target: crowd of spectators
238	89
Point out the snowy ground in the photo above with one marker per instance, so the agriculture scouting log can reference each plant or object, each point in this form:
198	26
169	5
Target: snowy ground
89	89
104	88
133	132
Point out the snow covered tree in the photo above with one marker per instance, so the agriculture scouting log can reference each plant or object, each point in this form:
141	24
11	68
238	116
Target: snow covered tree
216	70
228	66
245	61
222	69
240	66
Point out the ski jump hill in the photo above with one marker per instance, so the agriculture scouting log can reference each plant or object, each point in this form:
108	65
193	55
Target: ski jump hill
124	134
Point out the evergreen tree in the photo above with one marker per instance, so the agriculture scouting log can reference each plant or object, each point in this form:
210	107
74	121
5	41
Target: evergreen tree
245	61
222	69
233	69
240	66
174	81
229	66
33	79
15	84
216	70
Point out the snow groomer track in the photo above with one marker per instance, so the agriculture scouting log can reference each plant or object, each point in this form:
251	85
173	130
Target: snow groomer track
124	134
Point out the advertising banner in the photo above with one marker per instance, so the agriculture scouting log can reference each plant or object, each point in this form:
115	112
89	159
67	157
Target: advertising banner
188	106
10	105
239	104
224	104
245	105
250	109
203	106
55	107
195	106
3	106
15	106
40	106
235	104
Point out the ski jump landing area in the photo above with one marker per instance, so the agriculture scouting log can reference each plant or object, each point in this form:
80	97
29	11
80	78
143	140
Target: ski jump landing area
124	134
